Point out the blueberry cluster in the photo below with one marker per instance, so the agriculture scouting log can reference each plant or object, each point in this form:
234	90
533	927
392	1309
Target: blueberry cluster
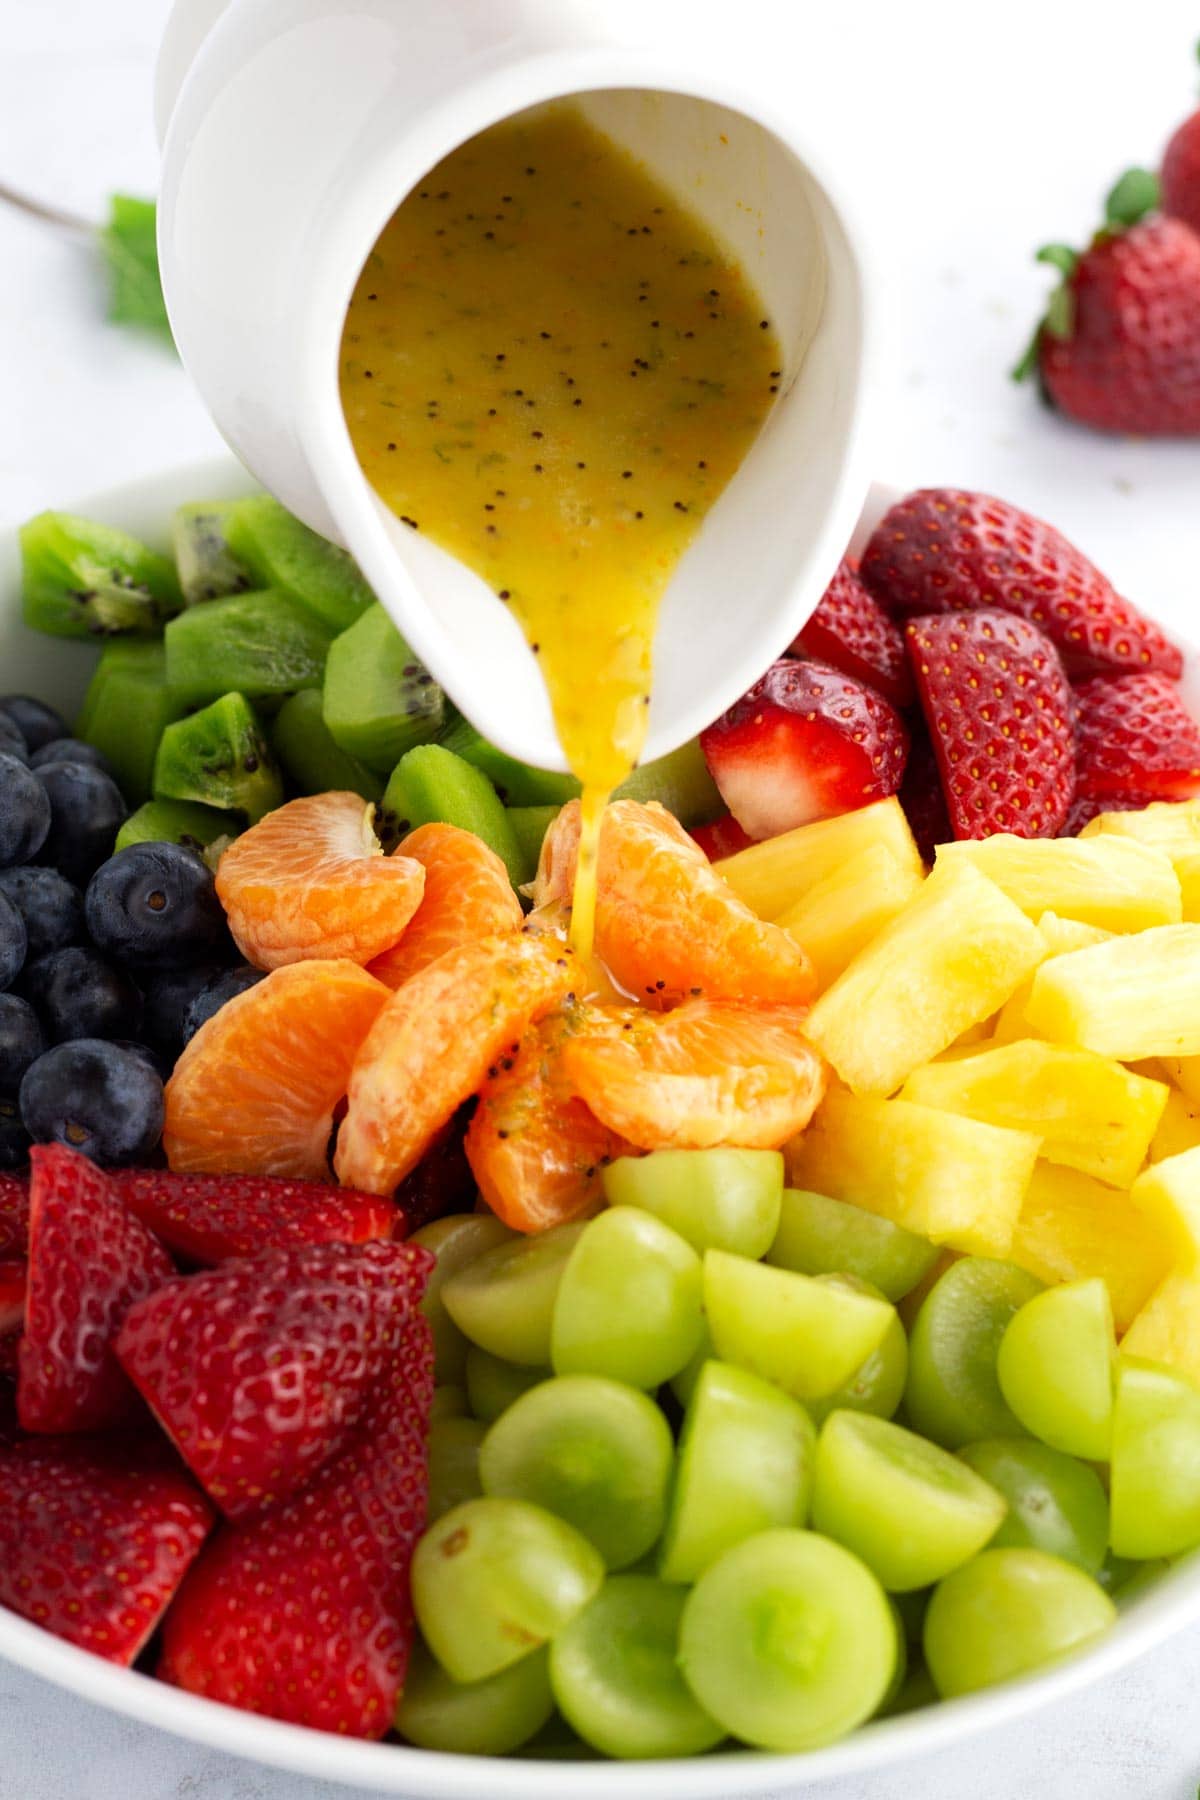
108	963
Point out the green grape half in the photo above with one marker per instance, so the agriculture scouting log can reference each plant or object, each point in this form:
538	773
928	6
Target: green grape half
953	1395
1056	1364
453	1452
455	1241
1007	1612
1055	1502
493	1384
504	1300
449	1402
808	1334
820	1236
492	1717
629	1304
718	1199
1154	1491
878	1387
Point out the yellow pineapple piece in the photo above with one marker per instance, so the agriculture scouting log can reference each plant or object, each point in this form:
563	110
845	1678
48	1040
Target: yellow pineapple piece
1090	1112
1172	826
1072	1227
1168	1193
1167	1329
772	876
949	960
953	1180
840	915
1111	881
1060	935
1130	998
1184	1071
1178	1129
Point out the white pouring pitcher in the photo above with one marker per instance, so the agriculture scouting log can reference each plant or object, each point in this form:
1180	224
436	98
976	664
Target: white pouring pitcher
291	131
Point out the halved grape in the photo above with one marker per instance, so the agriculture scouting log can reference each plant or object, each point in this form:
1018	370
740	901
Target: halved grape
1056	1364
595	1452
745	1464
718	1199
915	1691
493	1384
809	1335
820	1236
629	1302
1155	1477
953	1395
683	1385
504	1300
455	1241
474	1718
453	1451
788	1641
449	1402
912	1512
615	1673
910	1608
878	1387
1006	1612
494	1579
1055	1502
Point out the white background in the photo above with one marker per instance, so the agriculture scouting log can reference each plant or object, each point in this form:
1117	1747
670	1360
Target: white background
968	134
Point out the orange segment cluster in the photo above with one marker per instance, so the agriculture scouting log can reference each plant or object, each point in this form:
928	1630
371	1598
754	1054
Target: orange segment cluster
467	896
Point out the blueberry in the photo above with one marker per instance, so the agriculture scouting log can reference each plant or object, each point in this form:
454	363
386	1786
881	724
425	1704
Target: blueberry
72	750
11	741
13	942
37	722
86	812
21	1041
25	812
51	908
95	1097
155	905
212	998
170	993
77	994
14	1139
161	1065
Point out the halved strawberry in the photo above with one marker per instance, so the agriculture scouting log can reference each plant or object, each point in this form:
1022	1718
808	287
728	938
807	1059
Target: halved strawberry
95	1537
804	743
12	1314
850	631
442	1181
1136	737
999	713
14	1216
923	798
723	837
89	1261
304	1613
259	1370
208	1218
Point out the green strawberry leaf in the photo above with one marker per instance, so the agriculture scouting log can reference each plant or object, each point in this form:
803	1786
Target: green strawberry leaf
1134	195
130	250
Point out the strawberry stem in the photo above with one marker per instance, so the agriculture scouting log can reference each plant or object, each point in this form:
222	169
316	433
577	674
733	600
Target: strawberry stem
1059	316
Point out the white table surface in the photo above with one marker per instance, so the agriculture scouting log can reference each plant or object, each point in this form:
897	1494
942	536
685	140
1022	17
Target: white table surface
971	134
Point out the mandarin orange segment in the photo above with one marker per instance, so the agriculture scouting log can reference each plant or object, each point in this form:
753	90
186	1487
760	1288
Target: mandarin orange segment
432	1046
534	1147
255	1090
311	880
711	1072
667	926
467	895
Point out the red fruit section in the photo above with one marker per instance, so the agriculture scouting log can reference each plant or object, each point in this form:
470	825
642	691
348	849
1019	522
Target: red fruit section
922	798
13	1277
724	837
850	631
1181	174
208	1218
1136	739
14	1216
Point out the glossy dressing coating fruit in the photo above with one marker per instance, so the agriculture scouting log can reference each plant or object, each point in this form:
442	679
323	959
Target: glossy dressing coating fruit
308	754
279	552
378	699
1006	1612
628	1304
430	785
807	1334
504	1299
721	1199
492	1717
128	706
1055	1502
455	1241
1155	1493
1055	1367
953	1394
820	1236
81	579
220	757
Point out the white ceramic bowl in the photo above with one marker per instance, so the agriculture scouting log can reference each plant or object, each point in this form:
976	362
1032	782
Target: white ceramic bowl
58	672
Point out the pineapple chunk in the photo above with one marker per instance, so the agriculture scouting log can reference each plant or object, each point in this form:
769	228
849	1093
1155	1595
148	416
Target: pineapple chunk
1130	998
953	1180
1169	1196
1111	881
840	915
950	959
1172	826
1090	1113
1167	1329
770	877
1072	1227
1178	1129
1060	935
1184	1071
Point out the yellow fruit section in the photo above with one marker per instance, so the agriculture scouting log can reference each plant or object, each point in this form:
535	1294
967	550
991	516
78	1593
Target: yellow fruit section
950	1179
1167	1330
840	915
1184	1071
1111	881
1090	1112
1060	936
1168	1195
950	959
1072	1227
1172	826
1178	1129
1130	998
773	876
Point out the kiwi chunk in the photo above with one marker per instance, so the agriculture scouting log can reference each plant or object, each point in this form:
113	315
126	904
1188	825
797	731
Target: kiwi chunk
309	754
280	552
128	706
220	757
530	825
379	701
81	579
177	822
430	784
517	783
262	645
207	567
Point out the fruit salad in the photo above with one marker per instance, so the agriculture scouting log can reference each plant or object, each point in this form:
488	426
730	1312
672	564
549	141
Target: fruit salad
782	1317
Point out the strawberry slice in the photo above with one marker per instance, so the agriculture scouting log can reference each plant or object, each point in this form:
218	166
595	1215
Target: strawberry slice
12	1298
922	797
1086	807
999	713
724	837
259	1370
208	1218
89	1261
95	1537
805	742
1136	738
943	550
442	1181
14	1216
304	1613
850	631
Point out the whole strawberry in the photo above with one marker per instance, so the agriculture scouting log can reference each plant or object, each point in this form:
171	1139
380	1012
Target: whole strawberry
850	631
1119	346
1181	172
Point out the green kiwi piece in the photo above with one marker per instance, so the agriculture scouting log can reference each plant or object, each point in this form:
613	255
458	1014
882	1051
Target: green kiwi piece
262	645
177	822
282	553
378	700
309	754
81	579
220	757
208	569
530	825
128	706
517	783
431	784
